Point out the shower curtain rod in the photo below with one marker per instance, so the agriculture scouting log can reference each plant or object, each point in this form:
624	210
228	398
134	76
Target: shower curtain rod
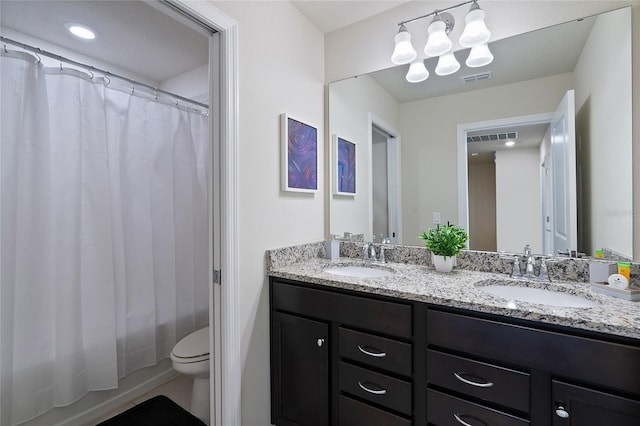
91	68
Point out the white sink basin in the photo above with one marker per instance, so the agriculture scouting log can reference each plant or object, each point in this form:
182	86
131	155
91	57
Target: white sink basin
358	271
539	296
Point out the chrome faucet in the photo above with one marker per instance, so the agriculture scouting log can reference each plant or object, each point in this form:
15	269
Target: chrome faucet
531	261
369	253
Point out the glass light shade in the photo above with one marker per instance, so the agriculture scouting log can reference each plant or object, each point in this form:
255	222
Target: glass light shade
479	56
417	72
447	64
404	51
475	31
438	41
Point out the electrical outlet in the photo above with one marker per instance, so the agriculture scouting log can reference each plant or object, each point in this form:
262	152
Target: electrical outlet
436	218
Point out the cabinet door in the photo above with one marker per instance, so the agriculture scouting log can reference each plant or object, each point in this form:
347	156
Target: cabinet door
577	406
300	371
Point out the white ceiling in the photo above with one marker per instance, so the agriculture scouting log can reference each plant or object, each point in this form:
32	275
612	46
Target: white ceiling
130	34
330	15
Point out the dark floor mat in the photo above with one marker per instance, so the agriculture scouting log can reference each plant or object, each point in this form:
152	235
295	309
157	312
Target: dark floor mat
157	411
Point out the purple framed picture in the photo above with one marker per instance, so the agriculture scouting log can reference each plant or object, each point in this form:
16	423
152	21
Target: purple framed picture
299	156
344	166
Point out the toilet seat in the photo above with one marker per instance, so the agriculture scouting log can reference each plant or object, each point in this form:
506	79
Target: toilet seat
192	348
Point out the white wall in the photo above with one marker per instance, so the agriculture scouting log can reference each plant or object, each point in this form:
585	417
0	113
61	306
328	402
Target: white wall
518	202
351	102
602	77
429	148
281	58
193	84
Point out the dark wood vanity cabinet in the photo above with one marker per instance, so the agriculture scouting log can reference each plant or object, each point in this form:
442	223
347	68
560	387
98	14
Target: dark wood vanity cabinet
301	349
339	358
352	359
482	369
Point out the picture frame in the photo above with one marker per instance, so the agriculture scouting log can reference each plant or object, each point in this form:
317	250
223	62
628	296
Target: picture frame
299	163
299	149
344	166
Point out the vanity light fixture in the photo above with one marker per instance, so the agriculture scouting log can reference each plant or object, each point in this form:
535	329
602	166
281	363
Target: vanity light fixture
404	51
475	31
475	36
447	64
80	31
509	143
417	72
438	42
479	56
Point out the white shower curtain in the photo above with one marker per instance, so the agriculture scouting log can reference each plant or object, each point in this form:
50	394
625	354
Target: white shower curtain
104	232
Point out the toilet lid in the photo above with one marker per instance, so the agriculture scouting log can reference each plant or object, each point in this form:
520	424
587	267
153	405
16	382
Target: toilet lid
195	344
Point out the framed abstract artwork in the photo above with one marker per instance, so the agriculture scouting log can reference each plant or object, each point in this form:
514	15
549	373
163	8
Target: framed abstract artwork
299	155
344	166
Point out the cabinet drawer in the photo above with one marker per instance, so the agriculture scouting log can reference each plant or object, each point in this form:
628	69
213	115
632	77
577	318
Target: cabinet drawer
488	382
355	413
446	410
375	387
358	311
376	351
561	354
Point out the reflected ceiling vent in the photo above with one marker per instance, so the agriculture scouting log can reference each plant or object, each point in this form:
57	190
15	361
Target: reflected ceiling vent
493	137
468	79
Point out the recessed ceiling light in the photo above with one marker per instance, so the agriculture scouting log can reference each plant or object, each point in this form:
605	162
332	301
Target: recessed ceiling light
509	143
80	31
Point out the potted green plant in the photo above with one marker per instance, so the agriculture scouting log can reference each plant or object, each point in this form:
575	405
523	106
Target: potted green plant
445	242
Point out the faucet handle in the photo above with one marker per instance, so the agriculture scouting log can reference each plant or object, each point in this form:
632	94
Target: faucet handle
516	272
543	275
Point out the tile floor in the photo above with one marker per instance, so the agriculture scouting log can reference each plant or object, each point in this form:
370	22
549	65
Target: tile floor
178	389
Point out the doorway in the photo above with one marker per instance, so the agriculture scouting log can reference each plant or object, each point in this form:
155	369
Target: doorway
221	185
546	205
385	177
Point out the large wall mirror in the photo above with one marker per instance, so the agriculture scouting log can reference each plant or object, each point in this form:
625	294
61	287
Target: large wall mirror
435	151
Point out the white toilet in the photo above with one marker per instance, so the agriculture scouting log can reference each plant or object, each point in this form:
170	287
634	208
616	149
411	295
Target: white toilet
190	356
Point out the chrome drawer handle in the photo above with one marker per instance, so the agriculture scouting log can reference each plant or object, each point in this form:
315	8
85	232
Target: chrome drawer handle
458	417
469	382
374	354
373	391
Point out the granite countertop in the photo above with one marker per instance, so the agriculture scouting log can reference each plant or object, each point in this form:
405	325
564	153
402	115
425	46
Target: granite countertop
461	289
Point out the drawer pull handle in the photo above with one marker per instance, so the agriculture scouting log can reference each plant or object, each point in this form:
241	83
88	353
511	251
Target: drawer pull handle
373	391
458	418
374	354
472	383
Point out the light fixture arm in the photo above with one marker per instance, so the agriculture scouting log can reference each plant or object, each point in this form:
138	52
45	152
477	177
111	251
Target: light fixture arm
437	11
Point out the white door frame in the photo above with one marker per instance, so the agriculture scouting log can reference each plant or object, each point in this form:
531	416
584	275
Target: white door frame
226	368
463	175
394	177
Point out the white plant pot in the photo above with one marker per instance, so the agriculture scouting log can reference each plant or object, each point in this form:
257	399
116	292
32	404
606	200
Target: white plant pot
443	264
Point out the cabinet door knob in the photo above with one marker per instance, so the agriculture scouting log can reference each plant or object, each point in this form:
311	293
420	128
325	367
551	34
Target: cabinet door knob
561	412
320	342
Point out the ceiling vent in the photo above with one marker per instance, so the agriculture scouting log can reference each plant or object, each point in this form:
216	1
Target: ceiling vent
493	137
474	78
